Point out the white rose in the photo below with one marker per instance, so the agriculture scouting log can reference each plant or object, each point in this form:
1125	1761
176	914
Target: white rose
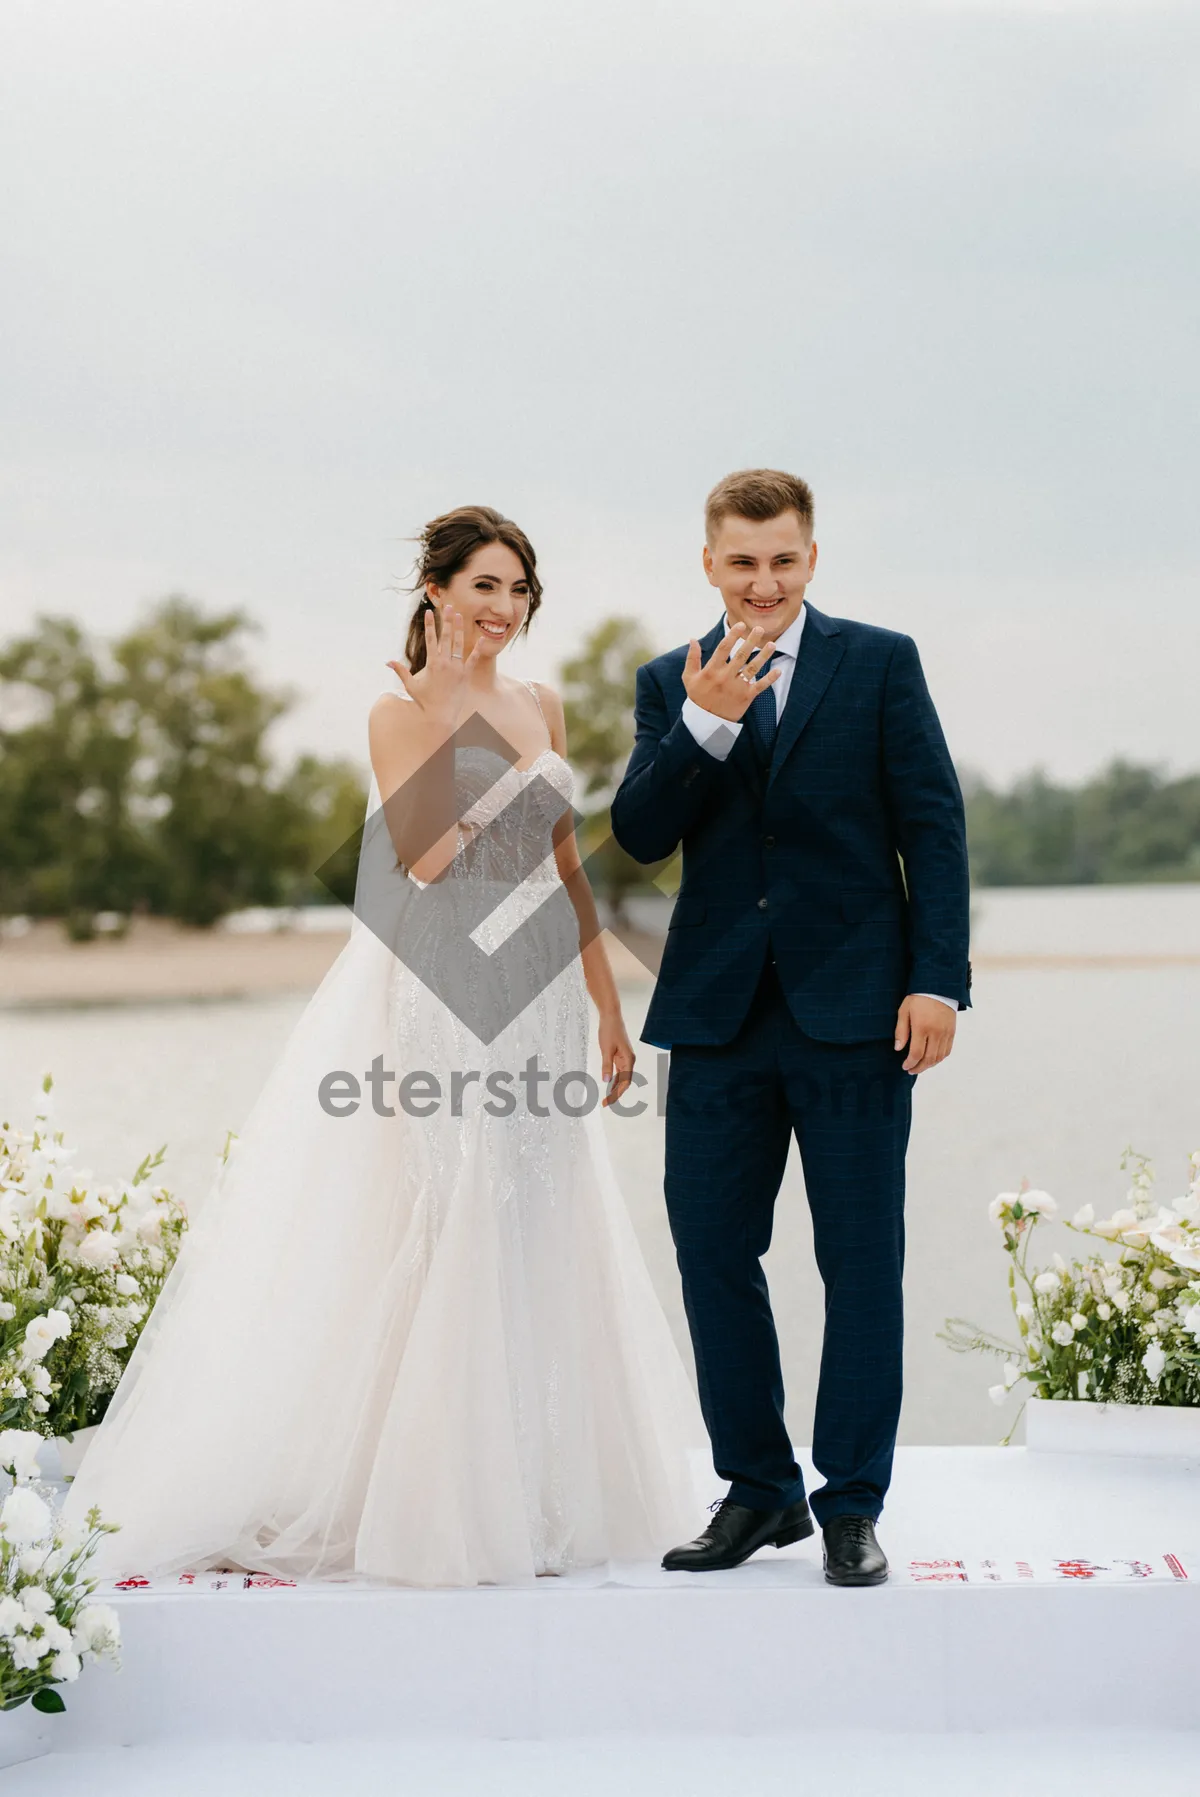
98	1250
1084	1217
7	1311
1078	1322
1046	1283
24	1518
19	1450
1104	1312
58	1321
40	1379
1120	1301
55	1638
1154	1360
39	1338
997	1393
1062	1333
26	1652
12	1617
126	1285
1160	1279
97	1629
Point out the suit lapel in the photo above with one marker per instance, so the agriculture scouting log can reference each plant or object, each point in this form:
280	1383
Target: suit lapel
821	649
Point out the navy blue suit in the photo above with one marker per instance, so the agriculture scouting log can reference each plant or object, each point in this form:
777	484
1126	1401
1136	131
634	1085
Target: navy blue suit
818	889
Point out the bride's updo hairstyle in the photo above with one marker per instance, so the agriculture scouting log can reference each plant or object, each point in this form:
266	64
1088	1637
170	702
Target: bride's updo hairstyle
446	545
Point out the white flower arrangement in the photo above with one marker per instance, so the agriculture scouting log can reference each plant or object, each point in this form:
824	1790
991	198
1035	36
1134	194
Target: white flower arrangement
81	1265
48	1629
1121	1328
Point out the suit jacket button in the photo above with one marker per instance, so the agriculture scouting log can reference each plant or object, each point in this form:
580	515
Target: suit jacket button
762	904
768	842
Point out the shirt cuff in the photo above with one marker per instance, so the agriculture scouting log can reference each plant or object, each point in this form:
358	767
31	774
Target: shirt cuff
952	1002
715	735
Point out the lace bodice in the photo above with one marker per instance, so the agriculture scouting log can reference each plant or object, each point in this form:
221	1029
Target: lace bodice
507	816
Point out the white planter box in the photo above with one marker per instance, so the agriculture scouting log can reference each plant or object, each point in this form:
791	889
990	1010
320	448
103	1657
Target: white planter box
60	1458
1067	1426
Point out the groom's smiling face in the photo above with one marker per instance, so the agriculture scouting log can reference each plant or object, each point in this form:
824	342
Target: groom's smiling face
761	567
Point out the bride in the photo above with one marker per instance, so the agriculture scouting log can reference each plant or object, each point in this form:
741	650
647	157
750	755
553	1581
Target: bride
411	1335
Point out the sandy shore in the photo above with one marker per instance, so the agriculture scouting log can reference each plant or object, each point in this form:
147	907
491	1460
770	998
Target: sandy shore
159	961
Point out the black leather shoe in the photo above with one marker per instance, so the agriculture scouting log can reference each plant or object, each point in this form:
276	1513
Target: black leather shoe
736	1532
852	1554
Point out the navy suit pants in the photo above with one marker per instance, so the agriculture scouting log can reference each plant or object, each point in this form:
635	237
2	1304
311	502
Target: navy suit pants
731	1111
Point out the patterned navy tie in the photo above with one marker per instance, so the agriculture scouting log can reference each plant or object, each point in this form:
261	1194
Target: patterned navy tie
762	721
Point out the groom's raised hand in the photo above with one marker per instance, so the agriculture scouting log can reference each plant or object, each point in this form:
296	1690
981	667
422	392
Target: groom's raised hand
731	679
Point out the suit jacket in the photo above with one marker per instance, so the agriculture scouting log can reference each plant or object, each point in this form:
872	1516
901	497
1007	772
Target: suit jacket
846	859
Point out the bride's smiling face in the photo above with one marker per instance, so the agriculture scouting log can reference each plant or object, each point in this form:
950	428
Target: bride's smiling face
491	590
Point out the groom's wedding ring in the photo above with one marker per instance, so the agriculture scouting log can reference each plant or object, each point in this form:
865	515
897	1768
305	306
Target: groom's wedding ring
748	678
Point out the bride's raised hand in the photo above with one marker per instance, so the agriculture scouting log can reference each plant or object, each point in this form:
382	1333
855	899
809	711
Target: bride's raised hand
440	689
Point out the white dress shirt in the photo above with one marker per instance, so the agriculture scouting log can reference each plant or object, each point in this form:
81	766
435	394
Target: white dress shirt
718	735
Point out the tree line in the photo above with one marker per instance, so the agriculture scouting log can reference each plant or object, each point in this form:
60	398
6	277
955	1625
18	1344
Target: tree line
135	776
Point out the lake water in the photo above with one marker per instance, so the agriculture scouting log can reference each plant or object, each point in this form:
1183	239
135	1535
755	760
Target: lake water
1055	1071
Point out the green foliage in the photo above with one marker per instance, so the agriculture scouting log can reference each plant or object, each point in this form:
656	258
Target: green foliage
137	776
1127	824
598	691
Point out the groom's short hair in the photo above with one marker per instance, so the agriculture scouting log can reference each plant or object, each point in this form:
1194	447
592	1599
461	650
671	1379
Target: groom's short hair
760	494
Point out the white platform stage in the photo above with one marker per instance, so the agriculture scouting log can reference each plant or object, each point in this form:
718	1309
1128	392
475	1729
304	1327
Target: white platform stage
1031	1590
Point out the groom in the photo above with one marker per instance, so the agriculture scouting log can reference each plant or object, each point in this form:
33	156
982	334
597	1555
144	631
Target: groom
815	961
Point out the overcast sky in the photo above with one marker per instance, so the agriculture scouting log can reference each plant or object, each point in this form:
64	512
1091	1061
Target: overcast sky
280	280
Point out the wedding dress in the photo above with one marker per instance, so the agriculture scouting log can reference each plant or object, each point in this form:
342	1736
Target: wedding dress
420	1348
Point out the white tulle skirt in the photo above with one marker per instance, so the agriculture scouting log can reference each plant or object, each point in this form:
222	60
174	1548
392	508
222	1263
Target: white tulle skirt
425	1350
